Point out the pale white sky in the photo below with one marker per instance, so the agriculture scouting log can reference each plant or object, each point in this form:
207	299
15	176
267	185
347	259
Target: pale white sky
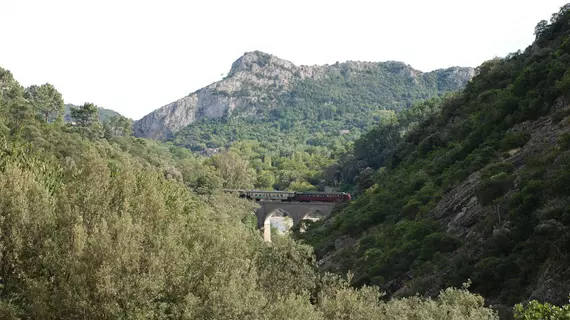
136	56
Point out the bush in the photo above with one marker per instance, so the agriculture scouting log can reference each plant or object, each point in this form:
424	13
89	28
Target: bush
496	168
493	188
559	115
564	141
535	310
438	242
514	140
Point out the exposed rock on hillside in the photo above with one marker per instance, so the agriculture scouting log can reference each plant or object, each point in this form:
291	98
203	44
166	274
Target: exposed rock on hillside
256	80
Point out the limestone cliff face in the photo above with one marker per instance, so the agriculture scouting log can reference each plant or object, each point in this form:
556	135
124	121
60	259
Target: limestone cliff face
251	77
258	77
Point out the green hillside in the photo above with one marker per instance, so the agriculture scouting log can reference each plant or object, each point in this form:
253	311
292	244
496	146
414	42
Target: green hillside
314	112
304	128
477	191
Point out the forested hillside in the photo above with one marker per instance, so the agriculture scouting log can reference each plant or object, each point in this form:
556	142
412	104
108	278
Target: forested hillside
97	224
292	121
336	107
478	191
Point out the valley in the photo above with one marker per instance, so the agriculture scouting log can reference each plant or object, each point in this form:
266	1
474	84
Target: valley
357	190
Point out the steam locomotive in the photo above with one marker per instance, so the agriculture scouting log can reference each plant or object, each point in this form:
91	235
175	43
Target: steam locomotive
288	196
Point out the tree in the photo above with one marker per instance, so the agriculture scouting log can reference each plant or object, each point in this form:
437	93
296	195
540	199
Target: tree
85	115
117	126
234	170
540	27
45	100
377	144
535	310
86	120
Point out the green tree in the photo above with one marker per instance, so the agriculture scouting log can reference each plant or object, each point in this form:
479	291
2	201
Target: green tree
535	310
540	27
234	170
87	122
85	115
116	126
46	101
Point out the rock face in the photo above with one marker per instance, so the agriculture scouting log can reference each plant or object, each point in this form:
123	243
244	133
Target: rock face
460	211
259	77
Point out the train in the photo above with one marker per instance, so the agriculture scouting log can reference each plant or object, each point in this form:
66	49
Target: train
288	196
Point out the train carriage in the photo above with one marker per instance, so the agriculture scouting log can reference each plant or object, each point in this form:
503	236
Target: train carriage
322	196
259	195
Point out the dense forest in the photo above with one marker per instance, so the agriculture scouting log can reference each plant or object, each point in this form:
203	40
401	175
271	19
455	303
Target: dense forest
478	190
97	224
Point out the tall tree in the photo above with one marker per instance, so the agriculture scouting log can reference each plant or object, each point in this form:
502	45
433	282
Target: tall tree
85	115
45	100
234	170
117	126
87	122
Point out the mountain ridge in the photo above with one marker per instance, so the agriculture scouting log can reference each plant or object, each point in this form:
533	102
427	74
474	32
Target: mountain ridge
257	79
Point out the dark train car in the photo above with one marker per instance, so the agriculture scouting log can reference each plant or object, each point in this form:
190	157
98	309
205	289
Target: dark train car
259	195
321	197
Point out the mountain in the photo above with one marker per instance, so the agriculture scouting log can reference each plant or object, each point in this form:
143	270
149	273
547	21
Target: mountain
104	114
477	191
262	90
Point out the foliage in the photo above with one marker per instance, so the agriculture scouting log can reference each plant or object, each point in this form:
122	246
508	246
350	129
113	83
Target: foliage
112	226
234	170
46	101
85	115
416	228
117	126
304	128
535	310
104	114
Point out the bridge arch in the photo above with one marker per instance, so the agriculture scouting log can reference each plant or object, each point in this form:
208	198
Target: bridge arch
297	211
274	214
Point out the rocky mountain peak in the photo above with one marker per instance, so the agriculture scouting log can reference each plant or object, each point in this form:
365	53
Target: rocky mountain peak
256	60
257	79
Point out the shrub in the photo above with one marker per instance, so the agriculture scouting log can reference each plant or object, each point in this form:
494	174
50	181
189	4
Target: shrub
514	140
564	141
493	188
438	242
535	310
496	168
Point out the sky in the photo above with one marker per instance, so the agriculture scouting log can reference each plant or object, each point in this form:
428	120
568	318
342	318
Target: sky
134	56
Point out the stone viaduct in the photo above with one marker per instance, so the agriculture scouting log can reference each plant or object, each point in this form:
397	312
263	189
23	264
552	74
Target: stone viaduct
297	211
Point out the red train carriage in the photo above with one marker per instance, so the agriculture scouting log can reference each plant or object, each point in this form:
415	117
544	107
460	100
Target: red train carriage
321	197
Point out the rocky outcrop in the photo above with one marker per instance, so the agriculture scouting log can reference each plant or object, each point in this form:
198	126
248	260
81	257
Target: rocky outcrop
257	78
460	210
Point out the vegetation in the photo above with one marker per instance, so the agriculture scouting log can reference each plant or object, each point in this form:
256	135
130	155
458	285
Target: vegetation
535	310
305	128
104	114
502	142
97	224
